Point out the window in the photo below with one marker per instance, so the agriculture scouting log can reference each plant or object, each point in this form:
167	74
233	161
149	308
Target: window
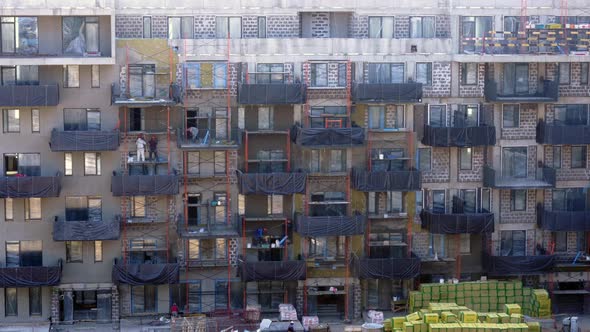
74	252
138	206
329	203
513	243
510	116
8	209
466	116
512	24
388	159
439	201
220	162
386	72
261	26
202	75
326	247
564	73
424	159
518	200
28	164
270	73
265	118
319	74
337	160
474	27
220	202
469	73
556	157
179	292
390	117
11	120
422	27
68	164
328	117
95	76
381	27
80	35
395	202
465	243
35	121
208	249
315	161
97	251
579	156
486	200
236	294
270	294
514	162
71	76
571	115
193	162
91	163
560	239
19	75
35	300
142	81
19	35
33	208
571	199
10	302
147	27
516	79
228	27
83	208
437	245
465	159
24	253
144	298
274	204
437	115
180	27
419	201
342	74
584	73
467	202
424	73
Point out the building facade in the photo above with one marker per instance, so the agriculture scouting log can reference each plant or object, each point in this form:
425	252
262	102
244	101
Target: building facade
330	155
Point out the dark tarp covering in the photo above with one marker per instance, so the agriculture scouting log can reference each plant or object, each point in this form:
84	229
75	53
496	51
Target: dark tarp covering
30	276
330	226
381	181
29	95
30	186
552	134
391	92
86	230
84	140
144	185
145	274
563	221
276	93
457	223
518	265
280	271
271	183
547	91
328	136
459	136
389	268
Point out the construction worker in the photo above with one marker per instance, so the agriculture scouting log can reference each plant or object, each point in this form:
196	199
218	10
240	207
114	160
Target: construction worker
153	145
174	310
140	144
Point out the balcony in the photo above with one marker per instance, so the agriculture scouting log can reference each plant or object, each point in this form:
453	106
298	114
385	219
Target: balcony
274	270
548	92
517	265
84	140
271	93
30	276
144	185
206	139
168	95
271	183
381	181
145	274
564	134
30	186
206	228
482	135
543	177
330	225
389	268
29	95
387	92
457	223
328	137
563	221
86	230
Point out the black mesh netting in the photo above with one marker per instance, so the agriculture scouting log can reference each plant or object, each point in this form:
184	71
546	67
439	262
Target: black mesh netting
29	95
330	225
86	230
271	183
386	180
563	221
565	134
388	268
457	223
284	270
30	276
30	186
145	274
518	265
392	92
271	93
328	136
144	185
462	137
84	140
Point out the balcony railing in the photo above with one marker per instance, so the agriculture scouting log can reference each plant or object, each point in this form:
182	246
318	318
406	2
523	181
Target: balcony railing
271	183
271	93
517	265
30	186
562	134
207	139
169	95
547	92
330	225
381	181
563	221
84	140
328	137
459	136
543	177
208	227
30	276
144	185
29	95
387	92
274	270
389	268
86	230
145	274
457	223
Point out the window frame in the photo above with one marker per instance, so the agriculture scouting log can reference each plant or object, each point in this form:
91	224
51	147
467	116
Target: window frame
143	21
8	216
465	73
554	153
35	124
135	208
97	171
11	297
69	256
181	27
28	206
516	113
228	19
560	78
261	20
390	199
67	76
7	127
68	171
469	151
95	76
513	199
584	73
98	251
380	18
428	73
143	294
38	298
583	160
313	75
421	35
419	164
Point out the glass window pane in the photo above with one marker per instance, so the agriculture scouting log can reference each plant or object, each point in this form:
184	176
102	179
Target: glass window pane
8	209
424	159
564	73
557	157
235	27
95	77
10	302
35	121
518	200
437	116
424	73
147	27
174	28
514	162
74	39
31	253
578	156
35	300
12	254
187	28
465	158
221	27
92	37
510	116
220	75
584	67
522	78
387	27
33	208
93	120
74	251
262	27
8	38
397	73
428	27
72	76
416	27
27	75
319	74
374	27
98	251
438	201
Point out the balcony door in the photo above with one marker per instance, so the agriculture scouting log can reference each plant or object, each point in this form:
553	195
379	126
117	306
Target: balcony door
466	116
514	162
515	79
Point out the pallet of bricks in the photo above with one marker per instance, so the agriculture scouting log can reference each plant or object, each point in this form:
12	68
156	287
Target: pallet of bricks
451	317
484	296
287	312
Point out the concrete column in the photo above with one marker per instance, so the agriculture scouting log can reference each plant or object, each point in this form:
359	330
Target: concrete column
55	304
68	307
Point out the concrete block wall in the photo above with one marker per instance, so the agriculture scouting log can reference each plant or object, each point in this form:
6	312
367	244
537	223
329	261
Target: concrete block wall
249	26
518	217
476	90
475	174
401	26
441	81
204	26
443	26
358	26
527	128
320	25
282	26
575	88
128	26
440	170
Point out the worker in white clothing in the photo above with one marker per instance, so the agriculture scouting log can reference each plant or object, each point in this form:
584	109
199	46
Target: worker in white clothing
141	144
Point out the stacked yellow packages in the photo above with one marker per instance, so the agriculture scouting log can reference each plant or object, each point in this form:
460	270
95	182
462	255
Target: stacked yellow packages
468	316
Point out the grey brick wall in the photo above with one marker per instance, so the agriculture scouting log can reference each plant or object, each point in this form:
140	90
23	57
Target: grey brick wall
566	172
443	26
401	27
204	26
527	128
474	91
282	26
320	25
249	26
441	81
575	88
358	26
440	171
128	26
508	217
475	174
